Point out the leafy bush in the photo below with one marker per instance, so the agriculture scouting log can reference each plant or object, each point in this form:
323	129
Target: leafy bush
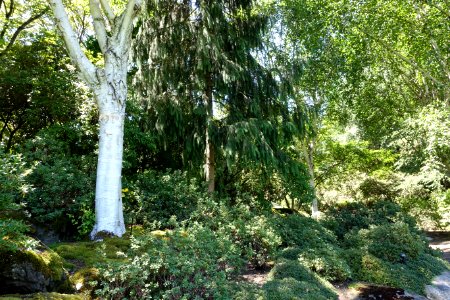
62	179
291	280
194	263
388	242
313	245
374	256
265	185
303	232
252	231
154	198
345	217
376	189
412	275
12	227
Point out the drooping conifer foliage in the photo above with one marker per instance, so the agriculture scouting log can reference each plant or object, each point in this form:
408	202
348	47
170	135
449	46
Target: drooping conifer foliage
198	74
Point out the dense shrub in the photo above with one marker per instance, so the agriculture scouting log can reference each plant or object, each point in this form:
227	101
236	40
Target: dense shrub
154	198
62	179
12	227
194	263
387	242
252	231
376	189
345	217
313	245
412	275
303	232
286	185
374	256
289	279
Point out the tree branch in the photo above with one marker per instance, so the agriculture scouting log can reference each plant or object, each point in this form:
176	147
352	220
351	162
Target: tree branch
99	24
411	62
108	11
87	69
20	29
11	9
126	22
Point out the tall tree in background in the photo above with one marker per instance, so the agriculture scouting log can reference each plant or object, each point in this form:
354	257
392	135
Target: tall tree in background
109	86
199	55
38	88
367	63
16	17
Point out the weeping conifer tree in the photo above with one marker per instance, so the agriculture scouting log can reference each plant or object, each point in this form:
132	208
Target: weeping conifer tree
203	86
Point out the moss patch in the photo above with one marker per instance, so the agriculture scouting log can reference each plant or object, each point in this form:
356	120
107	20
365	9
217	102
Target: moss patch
43	296
86	280
89	254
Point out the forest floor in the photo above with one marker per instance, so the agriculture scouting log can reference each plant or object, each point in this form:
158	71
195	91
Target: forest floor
438	240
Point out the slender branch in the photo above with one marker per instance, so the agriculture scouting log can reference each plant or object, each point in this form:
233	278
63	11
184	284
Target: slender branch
11	9
108	11
82	30
393	51
7	16
20	29
87	69
440	57
126	22
99	24
440	9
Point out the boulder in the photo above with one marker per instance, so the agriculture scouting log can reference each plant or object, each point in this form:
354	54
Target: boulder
31	271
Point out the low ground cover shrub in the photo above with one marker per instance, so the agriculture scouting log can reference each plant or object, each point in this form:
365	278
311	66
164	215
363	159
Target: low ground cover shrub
313	245
190	263
375	255
290	279
253	232
345	217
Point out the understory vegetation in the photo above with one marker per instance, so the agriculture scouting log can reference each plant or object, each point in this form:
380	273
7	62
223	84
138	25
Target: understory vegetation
305	140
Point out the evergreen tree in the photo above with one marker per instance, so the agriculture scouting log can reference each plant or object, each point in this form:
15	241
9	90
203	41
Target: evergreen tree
196	68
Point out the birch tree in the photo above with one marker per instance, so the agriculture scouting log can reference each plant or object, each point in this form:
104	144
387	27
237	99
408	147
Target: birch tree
109	86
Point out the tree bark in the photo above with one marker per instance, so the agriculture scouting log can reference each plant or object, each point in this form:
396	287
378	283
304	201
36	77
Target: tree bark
210	167
111	97
109	85
308	150
108	190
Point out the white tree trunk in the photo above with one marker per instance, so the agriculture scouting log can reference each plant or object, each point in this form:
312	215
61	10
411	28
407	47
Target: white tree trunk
109	85
111	95
108	191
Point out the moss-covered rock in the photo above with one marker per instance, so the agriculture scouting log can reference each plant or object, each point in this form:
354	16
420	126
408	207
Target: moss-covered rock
43	296
31	271
86	280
